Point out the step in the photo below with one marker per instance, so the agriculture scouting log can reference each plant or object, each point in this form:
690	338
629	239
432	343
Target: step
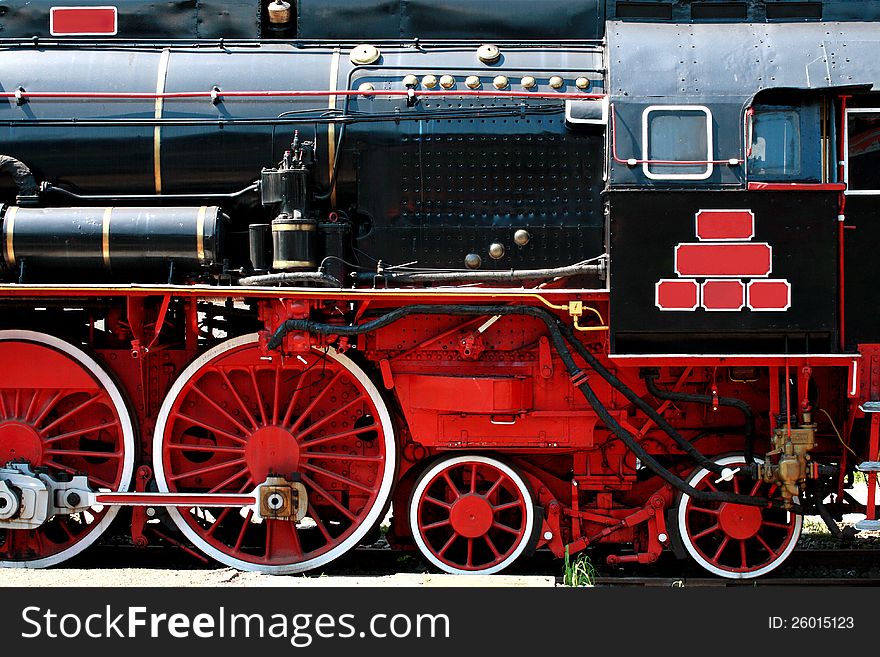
868	525
868	466
870	407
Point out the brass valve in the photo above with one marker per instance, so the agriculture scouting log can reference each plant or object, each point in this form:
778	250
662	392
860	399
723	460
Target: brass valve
791	468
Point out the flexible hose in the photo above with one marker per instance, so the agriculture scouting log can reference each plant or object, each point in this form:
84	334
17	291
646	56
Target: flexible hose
559	344
732	402
290	277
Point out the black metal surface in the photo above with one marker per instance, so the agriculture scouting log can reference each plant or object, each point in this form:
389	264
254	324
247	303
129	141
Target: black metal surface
802	231
137	240
862	270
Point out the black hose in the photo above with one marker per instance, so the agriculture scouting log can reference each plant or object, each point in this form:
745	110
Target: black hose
577	375
21	175
640	403
732	402
506	276
291	277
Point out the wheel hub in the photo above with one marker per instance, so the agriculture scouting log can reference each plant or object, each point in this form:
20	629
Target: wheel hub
739	521
471	516
20	442
271	450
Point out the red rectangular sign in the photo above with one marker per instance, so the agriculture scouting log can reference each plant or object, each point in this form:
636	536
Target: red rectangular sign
746	259
725	225
82	21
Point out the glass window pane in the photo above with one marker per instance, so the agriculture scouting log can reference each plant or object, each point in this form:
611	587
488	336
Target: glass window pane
674	136
776	144
863	135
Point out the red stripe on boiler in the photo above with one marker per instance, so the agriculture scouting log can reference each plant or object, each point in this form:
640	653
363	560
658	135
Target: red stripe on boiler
744	259
725	225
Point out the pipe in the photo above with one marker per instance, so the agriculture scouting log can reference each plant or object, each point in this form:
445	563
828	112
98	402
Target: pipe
577	375
21	175
506	276
48	188
290	277
732	402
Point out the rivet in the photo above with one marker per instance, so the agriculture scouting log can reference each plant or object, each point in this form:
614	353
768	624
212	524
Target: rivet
557	82
472	82
447	81
528	82
366	86
473	261
521	237
365	54
429	81
501	82
496	251
582	83
410	81
488	54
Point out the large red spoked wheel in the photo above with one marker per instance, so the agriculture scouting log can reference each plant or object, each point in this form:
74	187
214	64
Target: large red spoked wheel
60	410
234	417
734	540
471	514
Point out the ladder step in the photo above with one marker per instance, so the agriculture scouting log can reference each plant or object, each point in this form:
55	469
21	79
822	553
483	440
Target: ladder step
868	525
868	466
870	407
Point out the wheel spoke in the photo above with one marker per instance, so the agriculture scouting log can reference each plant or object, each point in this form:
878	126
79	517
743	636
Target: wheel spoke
314	403
434	500
238	398
313	514
329	498
721	547
435	525
742	554
473	485
206	470
517	504
764	544
229	416
210	449
505	528
275	396
258	397
330	438
83	453
488	540
448	544
701	509
342	457
30	409
324	420
211	428
244	527
451	485
92	478
706	532
47	408
69	414
337	477
756	488
494	487
80	432
226	482
470	553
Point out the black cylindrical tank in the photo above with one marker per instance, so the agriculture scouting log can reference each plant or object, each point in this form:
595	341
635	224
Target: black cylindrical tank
109	239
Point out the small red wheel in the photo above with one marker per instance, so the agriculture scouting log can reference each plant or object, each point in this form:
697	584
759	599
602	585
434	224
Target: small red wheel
471	514
234	417
60	410
735	540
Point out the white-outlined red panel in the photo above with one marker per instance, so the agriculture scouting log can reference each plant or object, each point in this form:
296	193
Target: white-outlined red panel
677	294
769	295
725	260
725	225
83	21
723	295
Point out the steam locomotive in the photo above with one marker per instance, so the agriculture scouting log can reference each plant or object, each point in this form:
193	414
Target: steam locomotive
584	274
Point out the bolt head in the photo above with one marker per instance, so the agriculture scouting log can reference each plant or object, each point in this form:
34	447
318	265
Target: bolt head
472	82
557	82
582	83
429	81
488	53
410	81
528	82
521	237
501	82
473	261
548	536
496	251
447	81
662	537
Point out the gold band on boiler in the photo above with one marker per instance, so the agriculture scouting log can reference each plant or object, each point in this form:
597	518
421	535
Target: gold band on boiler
200	234
105	236
10	231
331	127
157	131
289	264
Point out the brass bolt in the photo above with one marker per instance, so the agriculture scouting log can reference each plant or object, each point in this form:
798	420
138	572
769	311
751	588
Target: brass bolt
557	82
582	83
472	82
528	82
429	81
447	81
501	82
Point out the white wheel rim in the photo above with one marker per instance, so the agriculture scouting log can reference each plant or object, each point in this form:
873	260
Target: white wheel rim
128	442
359	532
681	517
426	478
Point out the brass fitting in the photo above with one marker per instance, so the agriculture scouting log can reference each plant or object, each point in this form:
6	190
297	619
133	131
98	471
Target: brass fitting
790	470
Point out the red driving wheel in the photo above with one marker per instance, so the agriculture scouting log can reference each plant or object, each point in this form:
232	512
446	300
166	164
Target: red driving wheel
59	410
236	416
